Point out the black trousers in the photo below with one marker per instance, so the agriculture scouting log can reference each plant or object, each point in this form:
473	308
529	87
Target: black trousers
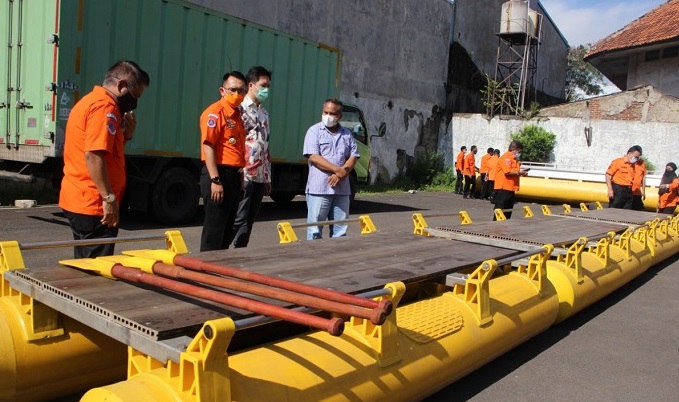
469	185
248	208
90	227
622	197
485	192
668	210
503	199
459	182
219	218
637	203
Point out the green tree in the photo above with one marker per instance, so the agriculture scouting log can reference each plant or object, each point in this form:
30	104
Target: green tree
538	143
581	77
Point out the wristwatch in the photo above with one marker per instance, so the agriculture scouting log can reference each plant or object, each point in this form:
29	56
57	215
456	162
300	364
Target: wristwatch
216	180
110	198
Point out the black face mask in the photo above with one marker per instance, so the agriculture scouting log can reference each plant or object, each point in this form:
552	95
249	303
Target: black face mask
127	103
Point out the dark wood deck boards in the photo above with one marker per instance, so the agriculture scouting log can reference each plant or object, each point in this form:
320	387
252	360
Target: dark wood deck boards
351	265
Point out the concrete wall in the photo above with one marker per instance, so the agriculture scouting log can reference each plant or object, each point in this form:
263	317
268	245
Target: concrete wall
394	63
610	139
660	73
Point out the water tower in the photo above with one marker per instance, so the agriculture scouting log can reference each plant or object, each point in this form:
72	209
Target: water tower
517	57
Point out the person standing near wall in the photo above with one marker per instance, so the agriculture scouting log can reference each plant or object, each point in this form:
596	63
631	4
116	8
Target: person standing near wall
667	191
257	171
222	152
639	185
508	172
470	173
459	167
484	173
332	153
94	180
492	169
620	177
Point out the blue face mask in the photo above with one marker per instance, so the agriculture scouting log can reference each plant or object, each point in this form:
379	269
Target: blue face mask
262	94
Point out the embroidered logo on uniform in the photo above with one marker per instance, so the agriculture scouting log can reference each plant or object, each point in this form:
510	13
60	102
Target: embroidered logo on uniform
232	140
111	123
508	162
230	123
212	120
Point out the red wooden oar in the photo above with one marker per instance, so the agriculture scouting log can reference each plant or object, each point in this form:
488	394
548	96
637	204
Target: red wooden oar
199	265
334	326
376	316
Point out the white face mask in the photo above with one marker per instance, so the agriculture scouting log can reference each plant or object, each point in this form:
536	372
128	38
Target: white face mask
329	121
633	159
517	155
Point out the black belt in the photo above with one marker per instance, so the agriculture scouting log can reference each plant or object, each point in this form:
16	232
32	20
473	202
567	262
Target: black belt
234	168
620	185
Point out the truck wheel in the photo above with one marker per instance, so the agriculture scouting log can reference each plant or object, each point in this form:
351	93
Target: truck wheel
174	198
282	197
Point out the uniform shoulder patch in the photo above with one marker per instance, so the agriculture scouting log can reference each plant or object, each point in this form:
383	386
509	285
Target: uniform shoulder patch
111	123
212	120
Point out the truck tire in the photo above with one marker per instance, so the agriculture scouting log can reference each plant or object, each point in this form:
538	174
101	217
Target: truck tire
282	197
174	198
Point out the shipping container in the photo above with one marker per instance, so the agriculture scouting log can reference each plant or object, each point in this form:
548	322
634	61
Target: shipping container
58	50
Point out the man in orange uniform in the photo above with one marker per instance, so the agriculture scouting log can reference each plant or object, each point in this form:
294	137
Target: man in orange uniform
484	173
459	166
508	172
222	152
639	185
470	173
492	169
667	191
94	180
620	177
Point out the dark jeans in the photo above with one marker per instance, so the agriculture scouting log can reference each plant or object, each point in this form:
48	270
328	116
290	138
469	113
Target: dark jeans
90	227
247	212
469	185
504	199
219	218
459	182
668	210
622	197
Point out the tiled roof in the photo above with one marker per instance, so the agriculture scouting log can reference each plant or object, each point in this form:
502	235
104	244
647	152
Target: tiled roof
659	24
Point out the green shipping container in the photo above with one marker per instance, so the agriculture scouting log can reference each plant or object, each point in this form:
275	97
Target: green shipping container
58	50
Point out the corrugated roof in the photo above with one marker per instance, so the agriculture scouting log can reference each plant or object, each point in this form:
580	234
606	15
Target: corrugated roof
658	25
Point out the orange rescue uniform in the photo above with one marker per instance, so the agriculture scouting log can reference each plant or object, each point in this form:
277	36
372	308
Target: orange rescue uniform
621	172
640	172
507	164
469	165
94	124
670	197
459	163
492	166
221	126
484	163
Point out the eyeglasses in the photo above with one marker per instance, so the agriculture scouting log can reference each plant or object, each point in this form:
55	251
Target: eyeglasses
240	91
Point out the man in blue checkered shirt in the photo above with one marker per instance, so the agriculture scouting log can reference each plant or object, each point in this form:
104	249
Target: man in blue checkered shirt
332	153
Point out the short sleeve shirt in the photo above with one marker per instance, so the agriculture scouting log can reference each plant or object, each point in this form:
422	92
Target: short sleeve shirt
469	165
621	172
336	148
221	126
257	158
507	164
94	124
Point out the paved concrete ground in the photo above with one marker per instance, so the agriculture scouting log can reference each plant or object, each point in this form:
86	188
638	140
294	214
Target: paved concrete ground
624	348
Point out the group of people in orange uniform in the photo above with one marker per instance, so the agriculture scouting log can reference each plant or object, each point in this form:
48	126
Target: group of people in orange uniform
500	175
626	182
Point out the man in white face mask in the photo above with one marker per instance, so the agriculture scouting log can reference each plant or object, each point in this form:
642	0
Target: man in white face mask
621	177
332	153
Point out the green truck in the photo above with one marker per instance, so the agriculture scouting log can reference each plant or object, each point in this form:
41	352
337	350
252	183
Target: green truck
57	50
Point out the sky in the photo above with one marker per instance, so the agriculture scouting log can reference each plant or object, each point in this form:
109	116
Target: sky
588	21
